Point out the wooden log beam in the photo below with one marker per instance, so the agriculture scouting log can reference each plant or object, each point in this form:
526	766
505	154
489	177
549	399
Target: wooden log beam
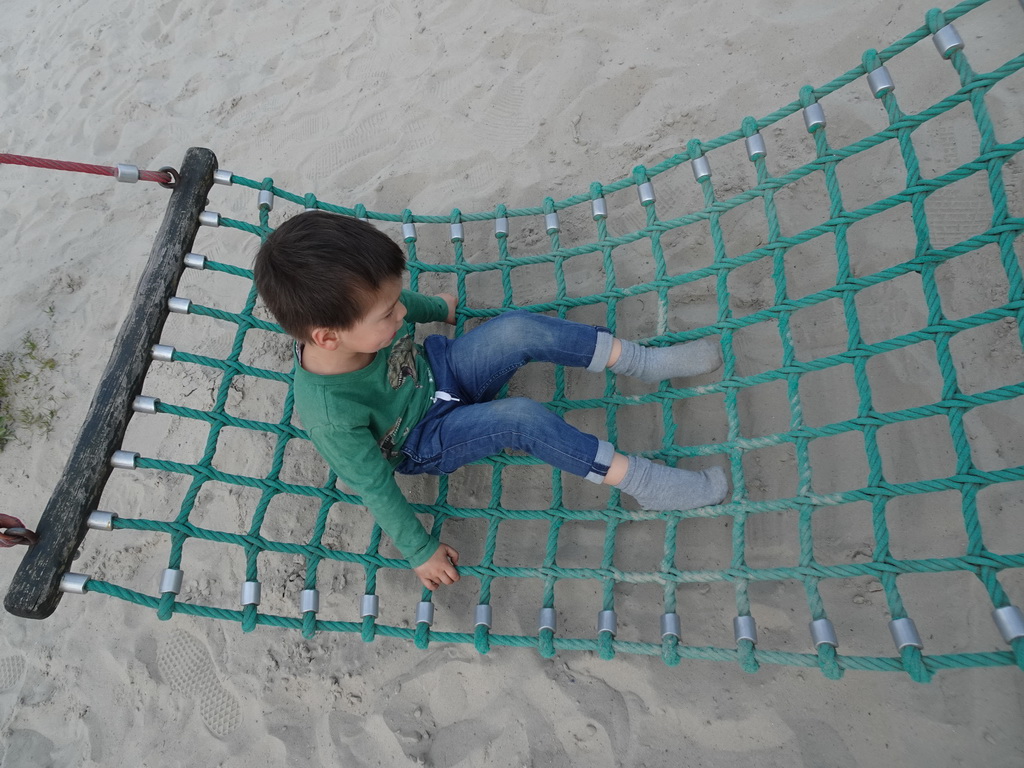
35	589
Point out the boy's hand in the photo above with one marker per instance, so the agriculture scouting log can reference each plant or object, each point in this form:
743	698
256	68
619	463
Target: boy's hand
440	568
451	301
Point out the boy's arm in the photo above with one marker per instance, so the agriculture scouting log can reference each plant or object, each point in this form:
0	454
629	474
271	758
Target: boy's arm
429	309
355	457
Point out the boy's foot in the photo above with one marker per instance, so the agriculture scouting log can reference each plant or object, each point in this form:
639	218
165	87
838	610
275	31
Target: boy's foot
657	487
653	364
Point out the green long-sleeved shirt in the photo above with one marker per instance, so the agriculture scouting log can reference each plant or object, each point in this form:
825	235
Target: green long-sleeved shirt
358	421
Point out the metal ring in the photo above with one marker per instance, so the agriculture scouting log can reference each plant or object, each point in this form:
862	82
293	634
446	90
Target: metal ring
173	173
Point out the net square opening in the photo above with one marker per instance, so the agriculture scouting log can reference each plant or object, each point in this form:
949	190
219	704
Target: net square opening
145	495
637	316
526	487
947	141
576	226
780	609
577	603
773	539
516	604
341	586
581	544
350	528
224	507
639	545
789	144
527	236
706	612
473	486
268	350
585	274
744	228
843	534
829	395
256	398
757	347
522	543
952	611
692	305
704	543
625	214
688	247
988	357
881	241
533	284
920	449
819	330
905	378
972	282
838	463
764	409
214	573
802	204
637	618
640	428
244	452
217	290
926	525
872	174
892	308
859	612
199	335
485	290
303	465
282	577
291	518
999	511
811	266
771	473
995	433
701	421
751	287
479	245
959	211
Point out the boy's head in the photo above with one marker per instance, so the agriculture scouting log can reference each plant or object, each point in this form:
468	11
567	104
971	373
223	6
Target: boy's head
320	270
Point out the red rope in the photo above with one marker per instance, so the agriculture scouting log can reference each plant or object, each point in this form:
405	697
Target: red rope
161	177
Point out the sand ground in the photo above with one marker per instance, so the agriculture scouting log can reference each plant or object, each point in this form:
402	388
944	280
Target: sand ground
433	106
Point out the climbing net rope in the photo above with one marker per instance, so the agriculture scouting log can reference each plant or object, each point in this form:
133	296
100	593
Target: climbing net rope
679	267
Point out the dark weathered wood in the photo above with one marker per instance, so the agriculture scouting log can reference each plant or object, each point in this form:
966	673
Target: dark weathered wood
34	592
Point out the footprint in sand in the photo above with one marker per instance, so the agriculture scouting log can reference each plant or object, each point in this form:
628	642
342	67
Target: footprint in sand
186	665
11	670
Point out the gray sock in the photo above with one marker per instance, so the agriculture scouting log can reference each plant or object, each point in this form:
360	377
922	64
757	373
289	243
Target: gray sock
655	364
657	487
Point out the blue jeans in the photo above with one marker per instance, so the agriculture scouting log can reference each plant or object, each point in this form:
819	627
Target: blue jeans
465	422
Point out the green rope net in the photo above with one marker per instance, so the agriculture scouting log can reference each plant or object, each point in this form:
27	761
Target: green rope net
816	349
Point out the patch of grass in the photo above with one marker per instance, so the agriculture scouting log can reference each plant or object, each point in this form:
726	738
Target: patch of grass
26	394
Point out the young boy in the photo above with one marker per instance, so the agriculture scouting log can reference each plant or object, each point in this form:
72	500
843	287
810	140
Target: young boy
374	402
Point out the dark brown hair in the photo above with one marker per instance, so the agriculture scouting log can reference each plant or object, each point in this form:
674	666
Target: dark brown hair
321	270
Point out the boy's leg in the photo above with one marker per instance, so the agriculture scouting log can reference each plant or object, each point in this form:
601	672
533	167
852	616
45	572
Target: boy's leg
458	435
455	435
483	360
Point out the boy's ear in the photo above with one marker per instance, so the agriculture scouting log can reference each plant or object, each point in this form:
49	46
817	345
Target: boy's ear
325	338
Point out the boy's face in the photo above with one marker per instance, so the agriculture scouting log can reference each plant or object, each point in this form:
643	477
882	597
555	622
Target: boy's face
378	327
